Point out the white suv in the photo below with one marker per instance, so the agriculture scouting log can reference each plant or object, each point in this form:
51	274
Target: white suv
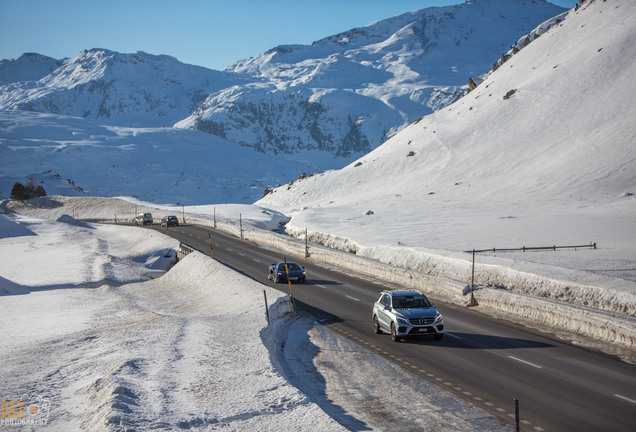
406	313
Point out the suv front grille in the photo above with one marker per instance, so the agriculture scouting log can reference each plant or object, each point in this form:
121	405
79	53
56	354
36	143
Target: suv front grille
422	321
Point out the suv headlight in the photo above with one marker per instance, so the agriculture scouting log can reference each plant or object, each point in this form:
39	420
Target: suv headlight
438	317
402	320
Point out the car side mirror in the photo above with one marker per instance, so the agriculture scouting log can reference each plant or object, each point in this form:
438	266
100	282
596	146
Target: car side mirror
387	307
434	305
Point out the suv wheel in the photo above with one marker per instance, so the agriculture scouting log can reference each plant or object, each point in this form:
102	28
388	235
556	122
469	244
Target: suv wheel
376	325
394	335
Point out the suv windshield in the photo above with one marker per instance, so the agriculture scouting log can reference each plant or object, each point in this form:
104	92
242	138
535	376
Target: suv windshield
411	301
290	267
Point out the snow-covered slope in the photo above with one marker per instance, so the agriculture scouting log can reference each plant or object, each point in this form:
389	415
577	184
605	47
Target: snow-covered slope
347	93
73	156
542	153
136	89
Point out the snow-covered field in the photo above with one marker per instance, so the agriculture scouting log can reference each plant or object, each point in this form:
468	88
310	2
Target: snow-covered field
159	164
98	339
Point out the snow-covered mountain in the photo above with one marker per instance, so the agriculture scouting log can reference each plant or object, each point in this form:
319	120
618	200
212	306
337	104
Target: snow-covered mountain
138	89
27	67
348	93
343	95
541	153
73	118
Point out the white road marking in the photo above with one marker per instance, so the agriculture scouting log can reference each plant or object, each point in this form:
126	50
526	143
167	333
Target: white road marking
625	398
526	362
352	298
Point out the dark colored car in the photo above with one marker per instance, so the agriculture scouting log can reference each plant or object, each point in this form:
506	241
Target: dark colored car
406	313
169	221
278	272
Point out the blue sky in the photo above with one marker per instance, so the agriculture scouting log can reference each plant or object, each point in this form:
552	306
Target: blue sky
212	33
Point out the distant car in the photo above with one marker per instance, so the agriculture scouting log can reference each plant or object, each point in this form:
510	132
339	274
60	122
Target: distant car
278	272
169	221
143	219
406	313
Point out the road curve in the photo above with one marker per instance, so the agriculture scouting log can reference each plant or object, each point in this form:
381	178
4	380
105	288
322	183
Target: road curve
484	360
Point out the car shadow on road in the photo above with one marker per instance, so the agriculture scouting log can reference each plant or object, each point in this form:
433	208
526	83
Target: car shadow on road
479	341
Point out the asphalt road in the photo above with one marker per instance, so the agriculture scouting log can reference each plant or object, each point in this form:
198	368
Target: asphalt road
486	361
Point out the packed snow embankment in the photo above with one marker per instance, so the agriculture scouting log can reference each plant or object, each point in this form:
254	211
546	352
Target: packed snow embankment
531	293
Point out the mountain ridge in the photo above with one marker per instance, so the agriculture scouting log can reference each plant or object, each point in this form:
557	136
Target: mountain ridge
402	62
343	95
137	89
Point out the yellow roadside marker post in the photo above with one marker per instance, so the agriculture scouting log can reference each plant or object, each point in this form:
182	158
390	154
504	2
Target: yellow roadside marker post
291	294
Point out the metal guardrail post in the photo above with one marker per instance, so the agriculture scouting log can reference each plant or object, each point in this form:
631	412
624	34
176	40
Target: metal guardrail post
266	307
472	283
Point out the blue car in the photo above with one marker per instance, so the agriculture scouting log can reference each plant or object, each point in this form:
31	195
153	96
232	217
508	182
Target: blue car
278	272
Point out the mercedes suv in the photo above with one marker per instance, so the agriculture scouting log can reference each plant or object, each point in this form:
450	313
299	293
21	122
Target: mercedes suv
406	313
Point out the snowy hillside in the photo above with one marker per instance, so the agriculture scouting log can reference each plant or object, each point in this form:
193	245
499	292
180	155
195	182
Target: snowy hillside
349	92
74	157
136	89
542	153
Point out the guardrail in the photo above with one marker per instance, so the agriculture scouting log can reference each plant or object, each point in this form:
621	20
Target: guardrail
521	249
525	248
